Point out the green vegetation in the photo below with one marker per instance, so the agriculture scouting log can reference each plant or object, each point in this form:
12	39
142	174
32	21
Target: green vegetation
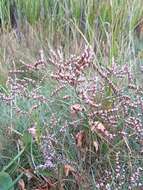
71	95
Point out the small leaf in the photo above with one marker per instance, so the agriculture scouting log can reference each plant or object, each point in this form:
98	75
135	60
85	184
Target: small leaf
97	125
5	181
95	143
80	139
28	172
104	148
68	169
21	184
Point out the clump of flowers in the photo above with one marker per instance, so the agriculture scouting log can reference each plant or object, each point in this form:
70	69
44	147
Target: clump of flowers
112	103
103	126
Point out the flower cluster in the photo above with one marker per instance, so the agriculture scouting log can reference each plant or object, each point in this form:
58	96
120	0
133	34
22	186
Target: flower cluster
102	125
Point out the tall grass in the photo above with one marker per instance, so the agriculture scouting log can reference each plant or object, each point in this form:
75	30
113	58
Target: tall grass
71	18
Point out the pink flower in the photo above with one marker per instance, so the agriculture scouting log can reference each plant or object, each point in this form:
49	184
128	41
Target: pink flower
32	131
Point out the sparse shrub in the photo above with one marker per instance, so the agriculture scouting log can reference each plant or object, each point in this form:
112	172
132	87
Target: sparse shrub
71	118
91	138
